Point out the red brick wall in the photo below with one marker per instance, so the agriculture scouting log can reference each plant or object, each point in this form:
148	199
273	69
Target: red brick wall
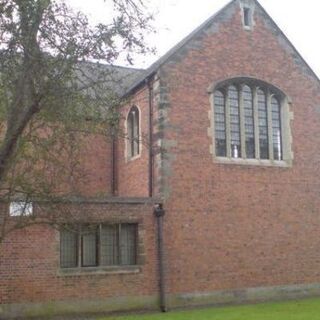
231	226
133	173
226	226
29	262
95	165
78	164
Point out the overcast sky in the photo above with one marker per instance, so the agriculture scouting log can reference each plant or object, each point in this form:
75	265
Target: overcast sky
175	19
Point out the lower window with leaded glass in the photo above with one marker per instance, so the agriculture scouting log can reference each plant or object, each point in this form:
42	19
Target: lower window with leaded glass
248	120
102	245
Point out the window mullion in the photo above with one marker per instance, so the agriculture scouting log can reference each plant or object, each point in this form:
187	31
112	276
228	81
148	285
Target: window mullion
79	247
228	127
242	126
270	129
256	123
99	245
119	244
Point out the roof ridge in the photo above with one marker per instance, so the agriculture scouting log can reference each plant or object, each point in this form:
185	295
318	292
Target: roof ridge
110	65
162	60
125	67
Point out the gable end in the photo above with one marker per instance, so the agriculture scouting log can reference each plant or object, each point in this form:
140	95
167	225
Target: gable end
212	25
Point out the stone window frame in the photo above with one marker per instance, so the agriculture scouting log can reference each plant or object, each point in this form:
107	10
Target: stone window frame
247	7
128	141
103	269
286	119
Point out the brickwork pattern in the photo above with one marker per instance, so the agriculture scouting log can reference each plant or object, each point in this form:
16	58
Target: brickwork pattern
133	173
29	262
230	226
226	226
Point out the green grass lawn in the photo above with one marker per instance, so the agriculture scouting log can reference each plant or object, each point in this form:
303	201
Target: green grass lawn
294	310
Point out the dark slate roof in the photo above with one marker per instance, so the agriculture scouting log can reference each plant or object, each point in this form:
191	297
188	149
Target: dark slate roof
165	58
121	78
116	79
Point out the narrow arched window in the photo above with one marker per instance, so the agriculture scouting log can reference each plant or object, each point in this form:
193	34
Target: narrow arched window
247	120
133	132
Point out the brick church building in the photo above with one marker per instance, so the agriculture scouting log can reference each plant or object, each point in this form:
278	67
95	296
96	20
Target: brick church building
219	204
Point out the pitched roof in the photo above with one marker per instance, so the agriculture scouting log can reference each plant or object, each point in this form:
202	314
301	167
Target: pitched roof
165	58
116	79
121	78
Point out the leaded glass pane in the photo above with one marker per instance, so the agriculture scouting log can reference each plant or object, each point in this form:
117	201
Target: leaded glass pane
68	249
136	132
248	121
133	132
276	129
103	245
257	122
233	95
130	134
109	245
89	240
220	127
128	244
263	125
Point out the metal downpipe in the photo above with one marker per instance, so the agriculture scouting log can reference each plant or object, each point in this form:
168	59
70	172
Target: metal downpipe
159	213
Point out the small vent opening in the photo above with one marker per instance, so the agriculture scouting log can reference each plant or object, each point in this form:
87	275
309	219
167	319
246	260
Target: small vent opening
247	17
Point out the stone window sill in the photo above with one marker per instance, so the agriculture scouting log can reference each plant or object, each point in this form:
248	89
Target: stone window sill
247	28
83	271
253	162
130	159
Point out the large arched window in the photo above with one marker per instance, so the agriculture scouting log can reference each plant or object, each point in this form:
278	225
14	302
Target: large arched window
133	132
248	120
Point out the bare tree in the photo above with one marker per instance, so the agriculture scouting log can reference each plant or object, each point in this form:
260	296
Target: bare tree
56	88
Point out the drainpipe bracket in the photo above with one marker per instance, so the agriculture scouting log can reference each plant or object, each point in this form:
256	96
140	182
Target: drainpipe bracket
159	211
